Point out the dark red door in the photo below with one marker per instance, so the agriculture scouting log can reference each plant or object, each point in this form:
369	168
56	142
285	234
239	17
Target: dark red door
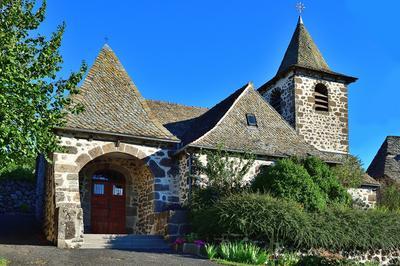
108	203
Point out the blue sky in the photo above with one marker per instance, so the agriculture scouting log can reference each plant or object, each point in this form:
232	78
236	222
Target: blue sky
198	52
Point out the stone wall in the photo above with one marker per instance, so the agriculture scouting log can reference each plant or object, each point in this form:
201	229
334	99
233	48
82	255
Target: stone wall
327	131
363	198
65	174
286	87
17	196
186	173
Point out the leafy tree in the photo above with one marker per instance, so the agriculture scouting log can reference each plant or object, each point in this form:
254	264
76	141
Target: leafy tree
223	170
33	99
220	174
350	173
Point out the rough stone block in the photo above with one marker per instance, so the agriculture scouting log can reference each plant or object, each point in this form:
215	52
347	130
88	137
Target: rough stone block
65	168
83	159
110	147
95	152
161	187
157	171
178	217
131	150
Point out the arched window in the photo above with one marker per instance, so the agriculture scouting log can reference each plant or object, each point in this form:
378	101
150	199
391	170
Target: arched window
321	98
276	100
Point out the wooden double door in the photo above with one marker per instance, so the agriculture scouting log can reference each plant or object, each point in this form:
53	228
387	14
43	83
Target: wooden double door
108	203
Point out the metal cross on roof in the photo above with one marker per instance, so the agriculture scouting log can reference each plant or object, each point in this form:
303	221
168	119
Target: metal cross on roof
300	7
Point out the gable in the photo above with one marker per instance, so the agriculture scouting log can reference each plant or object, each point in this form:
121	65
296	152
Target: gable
272	136
113	104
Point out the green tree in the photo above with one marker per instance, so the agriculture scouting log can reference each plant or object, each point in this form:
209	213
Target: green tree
350	173
33	99
221	174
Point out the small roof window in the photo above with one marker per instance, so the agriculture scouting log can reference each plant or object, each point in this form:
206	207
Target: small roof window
251	120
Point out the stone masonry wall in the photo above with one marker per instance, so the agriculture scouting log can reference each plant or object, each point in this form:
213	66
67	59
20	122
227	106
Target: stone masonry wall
17	196
363	198
78	153
327	131
286	87
185	172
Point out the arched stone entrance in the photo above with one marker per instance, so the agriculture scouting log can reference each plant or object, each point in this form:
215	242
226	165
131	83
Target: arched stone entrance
137	194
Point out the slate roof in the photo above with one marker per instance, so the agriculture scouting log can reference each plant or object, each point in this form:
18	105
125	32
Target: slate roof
177	118
226	124
113	104
386	163
303	53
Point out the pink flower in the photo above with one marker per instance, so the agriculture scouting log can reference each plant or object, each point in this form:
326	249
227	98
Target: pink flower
199	243
179	241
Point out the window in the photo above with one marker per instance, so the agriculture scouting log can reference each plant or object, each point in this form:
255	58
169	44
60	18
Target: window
276	100
98	189
321	98
251	120
118	190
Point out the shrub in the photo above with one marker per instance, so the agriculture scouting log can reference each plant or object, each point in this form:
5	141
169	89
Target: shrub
24	172
350	173
390	197
289	180
309	182
270	220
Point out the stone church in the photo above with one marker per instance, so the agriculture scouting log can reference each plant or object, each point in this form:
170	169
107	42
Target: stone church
126	163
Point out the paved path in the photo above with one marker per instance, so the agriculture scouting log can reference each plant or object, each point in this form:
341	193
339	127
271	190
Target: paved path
49	255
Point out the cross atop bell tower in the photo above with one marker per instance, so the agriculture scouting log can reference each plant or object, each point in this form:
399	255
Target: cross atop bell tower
309	95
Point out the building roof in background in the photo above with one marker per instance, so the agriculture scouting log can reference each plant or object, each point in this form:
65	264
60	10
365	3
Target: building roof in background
177	118
386	163
113	104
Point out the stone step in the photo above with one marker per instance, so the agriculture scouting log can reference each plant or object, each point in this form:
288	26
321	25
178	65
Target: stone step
120	236
126	242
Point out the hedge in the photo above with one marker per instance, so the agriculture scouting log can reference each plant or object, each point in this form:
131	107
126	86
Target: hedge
263	218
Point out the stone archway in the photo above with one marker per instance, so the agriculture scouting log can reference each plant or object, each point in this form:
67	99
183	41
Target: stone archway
139	190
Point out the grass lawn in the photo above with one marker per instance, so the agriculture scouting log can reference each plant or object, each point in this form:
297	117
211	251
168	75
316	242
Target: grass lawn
3	261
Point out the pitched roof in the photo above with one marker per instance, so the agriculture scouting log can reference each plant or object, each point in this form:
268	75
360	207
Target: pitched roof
302	51
176	118
386	163
226	124
113	104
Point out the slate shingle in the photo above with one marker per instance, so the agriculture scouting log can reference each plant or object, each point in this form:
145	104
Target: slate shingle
113	104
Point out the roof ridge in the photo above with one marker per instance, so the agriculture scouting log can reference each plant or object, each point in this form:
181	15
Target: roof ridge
241	92
178	104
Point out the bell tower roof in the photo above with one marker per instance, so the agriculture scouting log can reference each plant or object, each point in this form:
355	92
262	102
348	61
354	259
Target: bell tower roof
302	51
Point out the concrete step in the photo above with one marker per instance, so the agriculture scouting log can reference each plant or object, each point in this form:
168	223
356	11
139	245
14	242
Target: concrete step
126	242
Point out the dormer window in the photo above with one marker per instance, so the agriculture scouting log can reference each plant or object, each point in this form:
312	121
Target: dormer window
251	120
321	98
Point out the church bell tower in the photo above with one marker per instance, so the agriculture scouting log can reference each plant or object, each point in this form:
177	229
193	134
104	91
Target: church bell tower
311	97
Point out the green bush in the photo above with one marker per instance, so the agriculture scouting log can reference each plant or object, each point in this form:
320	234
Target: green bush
309	182
350	173
390	197
24	172
270	220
